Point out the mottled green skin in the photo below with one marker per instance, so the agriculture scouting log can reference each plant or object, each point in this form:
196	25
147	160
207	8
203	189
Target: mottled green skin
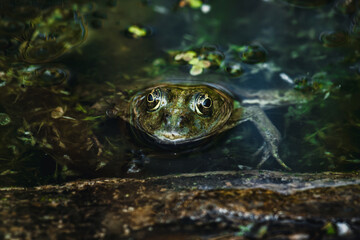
176	120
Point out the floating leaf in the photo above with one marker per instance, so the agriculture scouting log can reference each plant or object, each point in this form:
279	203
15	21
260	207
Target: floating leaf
4	119
195	3
137	31
194	61
186	56
196	70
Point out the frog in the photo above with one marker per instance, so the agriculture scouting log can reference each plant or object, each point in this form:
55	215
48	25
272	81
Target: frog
177	114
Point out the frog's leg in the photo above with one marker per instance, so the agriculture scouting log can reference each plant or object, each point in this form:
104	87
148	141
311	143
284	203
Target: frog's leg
114	106
267	130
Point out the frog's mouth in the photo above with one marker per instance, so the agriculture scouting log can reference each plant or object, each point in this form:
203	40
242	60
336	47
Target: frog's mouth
169	139
171	136
180	144
173	139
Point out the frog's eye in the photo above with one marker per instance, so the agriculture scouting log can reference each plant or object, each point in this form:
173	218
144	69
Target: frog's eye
153	99
203	104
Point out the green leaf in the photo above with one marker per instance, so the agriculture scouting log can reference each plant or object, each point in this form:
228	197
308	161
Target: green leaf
195	3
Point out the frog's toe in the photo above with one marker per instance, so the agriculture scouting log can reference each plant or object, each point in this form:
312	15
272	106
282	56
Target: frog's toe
137	162
282	163
134	167
267	151
260	150
265	154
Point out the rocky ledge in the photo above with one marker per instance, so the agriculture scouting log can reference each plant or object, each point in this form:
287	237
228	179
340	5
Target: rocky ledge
216	205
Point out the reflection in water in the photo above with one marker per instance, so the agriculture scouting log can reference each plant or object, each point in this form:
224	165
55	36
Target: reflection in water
63	63
59	31
44	76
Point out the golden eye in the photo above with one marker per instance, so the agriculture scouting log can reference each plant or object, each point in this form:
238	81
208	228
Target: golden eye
203	104
153	99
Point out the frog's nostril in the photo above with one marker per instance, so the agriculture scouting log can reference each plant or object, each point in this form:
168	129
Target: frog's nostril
182	121
166	117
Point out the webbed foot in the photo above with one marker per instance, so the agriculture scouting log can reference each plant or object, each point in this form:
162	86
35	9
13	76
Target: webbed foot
267	150
269	133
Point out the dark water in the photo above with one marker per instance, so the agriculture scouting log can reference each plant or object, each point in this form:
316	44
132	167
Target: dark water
59	58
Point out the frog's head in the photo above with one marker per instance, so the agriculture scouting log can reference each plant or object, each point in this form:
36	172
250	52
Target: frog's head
177	114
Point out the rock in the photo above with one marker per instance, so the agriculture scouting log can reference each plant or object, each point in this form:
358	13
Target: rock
217	204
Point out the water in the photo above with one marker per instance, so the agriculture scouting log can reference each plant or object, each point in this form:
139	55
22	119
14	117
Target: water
58	59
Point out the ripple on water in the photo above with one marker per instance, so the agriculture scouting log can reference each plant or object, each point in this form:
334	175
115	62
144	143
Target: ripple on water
41	50
46	76
52	37
234	69
253	54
